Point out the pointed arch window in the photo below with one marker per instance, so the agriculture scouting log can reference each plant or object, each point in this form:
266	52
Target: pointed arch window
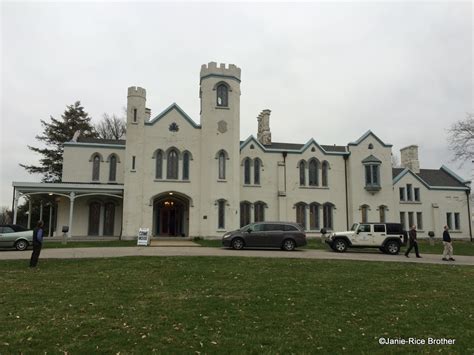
364	210
159	164
301	214
172	165
314	223
112	168
222	158
328	210
259	211
382	211
222	95
96	168
324	173
256	171
186	166
247	171
244	213
302	167
221	214
313	172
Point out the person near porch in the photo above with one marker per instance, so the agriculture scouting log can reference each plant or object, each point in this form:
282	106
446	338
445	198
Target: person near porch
38	234
448	247
413	242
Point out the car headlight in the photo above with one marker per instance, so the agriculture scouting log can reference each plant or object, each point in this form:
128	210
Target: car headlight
227	235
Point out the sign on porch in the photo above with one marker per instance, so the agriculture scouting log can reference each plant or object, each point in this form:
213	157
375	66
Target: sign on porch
143	237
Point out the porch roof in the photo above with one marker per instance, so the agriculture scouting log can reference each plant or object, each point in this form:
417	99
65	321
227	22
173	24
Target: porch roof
66	188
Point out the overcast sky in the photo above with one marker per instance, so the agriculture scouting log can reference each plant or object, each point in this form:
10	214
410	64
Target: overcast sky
328	70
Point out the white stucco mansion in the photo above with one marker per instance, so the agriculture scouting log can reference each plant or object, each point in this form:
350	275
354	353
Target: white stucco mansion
180	178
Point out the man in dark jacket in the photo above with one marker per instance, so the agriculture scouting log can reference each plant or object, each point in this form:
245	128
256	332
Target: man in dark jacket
448	247
38	233
413	242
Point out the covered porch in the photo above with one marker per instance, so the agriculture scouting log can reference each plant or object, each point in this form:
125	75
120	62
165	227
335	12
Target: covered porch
87	209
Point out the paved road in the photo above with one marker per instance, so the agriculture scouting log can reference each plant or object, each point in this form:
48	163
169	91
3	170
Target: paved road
111	252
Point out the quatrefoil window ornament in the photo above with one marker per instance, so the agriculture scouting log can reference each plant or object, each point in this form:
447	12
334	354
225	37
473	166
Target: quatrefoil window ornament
174	127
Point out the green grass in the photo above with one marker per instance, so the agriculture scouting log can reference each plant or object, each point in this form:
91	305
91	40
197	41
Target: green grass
91	244
231	305
460	247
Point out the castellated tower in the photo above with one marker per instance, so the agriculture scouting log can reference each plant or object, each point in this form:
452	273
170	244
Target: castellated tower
134	154
220	130
264	135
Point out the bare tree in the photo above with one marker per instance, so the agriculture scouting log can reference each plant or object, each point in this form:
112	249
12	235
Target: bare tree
461	139
111	127
5	215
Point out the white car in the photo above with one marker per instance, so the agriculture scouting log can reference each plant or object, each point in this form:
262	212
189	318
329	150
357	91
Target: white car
388	237
15	236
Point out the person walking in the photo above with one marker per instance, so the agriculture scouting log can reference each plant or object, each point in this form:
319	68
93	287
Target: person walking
413	242
38	233
448	247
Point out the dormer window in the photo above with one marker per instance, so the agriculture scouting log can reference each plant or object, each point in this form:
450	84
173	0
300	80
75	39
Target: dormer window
222	95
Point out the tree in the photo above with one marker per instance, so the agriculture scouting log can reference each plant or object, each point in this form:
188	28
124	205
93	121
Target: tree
111	127
461	139
395	161
55	134
5	215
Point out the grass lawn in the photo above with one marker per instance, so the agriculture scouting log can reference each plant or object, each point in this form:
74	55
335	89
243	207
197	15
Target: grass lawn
232	305
460	247
91	244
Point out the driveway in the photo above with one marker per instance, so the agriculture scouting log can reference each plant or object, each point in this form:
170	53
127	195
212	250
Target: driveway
111	252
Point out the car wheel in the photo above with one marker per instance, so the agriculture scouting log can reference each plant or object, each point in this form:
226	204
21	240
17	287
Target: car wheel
340	245
237	244
392	247
21	245
289	245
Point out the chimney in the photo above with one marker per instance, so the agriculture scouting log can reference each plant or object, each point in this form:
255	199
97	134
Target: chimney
147	114
409	158
264	135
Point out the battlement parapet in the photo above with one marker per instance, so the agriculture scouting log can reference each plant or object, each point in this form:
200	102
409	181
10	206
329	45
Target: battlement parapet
136	91
223	69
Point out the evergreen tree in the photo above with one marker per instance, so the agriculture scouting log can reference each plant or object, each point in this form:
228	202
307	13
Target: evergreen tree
55	134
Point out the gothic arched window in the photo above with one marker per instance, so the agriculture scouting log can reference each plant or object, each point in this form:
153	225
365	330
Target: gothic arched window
314	223
256	171
222	95
96	168
324	169
222	158
244	213
328	215
159	165
313	172
172	165
259	211
301	214
247	171
186	166
112	168
302	167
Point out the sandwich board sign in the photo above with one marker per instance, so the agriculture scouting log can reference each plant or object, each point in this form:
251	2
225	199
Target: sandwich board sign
143	237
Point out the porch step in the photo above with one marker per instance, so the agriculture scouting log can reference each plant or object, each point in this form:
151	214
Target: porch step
172	243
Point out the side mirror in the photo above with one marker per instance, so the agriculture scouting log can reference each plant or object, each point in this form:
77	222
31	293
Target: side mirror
358	231
249	230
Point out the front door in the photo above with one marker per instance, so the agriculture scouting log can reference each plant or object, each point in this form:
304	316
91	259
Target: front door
169	218
94	218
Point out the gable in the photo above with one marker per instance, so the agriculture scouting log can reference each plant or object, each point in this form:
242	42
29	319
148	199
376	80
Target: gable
174	107
366	135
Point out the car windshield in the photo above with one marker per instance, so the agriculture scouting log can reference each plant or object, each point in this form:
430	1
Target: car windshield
354	227
248	227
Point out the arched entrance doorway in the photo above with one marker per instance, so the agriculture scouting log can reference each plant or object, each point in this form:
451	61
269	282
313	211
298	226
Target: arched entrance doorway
171	215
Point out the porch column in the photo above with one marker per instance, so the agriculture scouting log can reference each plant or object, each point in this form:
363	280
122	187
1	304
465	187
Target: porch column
72	196
41	210
29	212
50	229
15	206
